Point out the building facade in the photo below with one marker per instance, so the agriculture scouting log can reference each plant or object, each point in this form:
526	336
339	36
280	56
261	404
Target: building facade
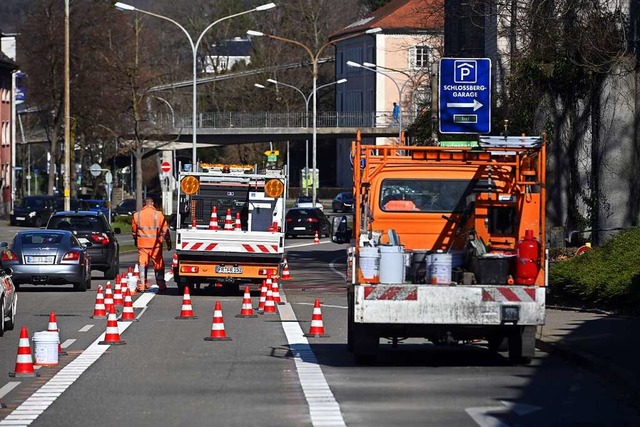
7	129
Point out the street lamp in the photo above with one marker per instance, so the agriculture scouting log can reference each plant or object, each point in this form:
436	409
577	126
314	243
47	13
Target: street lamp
194	50
315	57
356	65
66	178
306	103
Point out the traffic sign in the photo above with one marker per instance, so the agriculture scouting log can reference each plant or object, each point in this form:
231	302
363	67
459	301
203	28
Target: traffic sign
465	95
165	167
95	169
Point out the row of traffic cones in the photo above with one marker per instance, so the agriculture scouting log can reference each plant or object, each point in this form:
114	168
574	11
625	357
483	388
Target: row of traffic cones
229	225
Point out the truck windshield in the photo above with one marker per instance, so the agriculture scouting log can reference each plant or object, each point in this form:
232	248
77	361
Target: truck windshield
421	195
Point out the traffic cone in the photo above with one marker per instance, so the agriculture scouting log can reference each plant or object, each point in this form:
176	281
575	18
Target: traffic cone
213	222
129	283
187	310
316	240
117	292
128	314
228	225
136	274
238	225
24	361
112	334
217	326
247	308
123	281
53	327
108	297
99	310
275	290
263	297
317	328
286	275
174	262
269	305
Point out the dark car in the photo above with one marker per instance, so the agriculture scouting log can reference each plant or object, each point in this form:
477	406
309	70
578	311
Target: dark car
125	207
74	204
97	205
33	211
47	257
8	301
306	202
94	231
306	221
343	202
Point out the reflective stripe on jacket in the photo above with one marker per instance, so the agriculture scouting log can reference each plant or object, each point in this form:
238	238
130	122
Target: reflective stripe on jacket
149	227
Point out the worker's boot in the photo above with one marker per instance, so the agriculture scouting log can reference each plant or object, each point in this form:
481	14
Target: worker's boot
162	285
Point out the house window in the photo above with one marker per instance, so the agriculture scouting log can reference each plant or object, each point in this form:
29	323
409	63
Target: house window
420	57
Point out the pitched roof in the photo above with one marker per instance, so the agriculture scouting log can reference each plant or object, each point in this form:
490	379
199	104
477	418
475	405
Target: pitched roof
401	16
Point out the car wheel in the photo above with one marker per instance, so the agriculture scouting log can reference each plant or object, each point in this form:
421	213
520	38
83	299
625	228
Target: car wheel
2	316
10	324
82	286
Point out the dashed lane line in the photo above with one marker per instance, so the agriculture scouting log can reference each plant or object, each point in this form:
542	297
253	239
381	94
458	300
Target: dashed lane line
68	342
6	389
85	328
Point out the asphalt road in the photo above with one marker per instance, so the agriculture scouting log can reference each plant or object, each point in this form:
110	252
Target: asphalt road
268	374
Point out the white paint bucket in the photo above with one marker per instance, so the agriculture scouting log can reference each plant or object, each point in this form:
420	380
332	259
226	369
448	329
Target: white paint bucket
441	268
392	265
46	348
369	261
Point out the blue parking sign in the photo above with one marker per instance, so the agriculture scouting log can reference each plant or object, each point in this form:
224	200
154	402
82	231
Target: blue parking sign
465	95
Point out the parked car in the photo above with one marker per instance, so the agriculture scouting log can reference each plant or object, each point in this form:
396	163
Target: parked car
8	301
97	205
125	207
306	221
93	231
343	202
33	211
306	202
74	204
47	257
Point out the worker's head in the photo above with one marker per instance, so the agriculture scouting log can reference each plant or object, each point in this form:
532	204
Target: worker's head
148	201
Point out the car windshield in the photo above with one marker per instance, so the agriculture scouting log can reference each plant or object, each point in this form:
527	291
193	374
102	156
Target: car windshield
32	203
96	204
77	223
296	213
40	239
347	197
128	204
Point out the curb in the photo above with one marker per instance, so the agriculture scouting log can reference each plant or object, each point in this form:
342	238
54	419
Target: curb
617	378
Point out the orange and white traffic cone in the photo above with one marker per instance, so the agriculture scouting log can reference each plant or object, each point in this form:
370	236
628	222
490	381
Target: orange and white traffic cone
136	275
187	310
238	224
112	334
286	275
174	263
128	314
247	308
275	290
108	297
316	239
228	222
263	297
117	292
217	326
53	327
317	328
24	361
213	221
123	281
269	305
99	310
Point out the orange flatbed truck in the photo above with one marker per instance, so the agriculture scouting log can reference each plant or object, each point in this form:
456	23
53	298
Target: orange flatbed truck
448	244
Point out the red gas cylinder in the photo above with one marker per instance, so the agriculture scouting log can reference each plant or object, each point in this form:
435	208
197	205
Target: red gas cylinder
527	259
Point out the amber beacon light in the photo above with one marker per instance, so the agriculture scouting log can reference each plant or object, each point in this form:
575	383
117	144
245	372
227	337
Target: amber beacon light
274	188
190	185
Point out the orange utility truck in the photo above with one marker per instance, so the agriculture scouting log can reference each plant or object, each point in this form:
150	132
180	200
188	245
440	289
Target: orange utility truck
449	244
230	225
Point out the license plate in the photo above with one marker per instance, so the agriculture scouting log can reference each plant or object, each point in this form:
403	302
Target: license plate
20	218
39	259
223	269
298	228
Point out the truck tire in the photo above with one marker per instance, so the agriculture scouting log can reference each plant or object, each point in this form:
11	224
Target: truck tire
522	345
496	344
365	344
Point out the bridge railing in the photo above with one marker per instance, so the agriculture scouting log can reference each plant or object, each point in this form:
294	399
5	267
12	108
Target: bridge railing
329	119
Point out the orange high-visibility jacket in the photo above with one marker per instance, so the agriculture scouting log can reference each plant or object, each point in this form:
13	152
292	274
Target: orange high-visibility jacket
149	227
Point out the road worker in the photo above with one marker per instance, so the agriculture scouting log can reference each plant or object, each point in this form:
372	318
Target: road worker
149	228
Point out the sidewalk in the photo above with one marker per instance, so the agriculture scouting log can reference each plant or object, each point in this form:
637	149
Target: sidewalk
607	345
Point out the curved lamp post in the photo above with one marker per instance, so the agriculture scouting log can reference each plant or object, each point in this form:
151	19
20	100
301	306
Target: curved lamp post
314	57
306	103
194	51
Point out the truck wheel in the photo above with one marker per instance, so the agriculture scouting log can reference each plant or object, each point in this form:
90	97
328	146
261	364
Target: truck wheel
522	345
365	344
497	344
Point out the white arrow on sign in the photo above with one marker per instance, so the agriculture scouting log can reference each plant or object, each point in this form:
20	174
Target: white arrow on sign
475	104
488	416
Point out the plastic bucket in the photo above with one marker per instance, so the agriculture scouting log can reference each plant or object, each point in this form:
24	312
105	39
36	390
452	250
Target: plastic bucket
46	348
369	262
392	265
441	268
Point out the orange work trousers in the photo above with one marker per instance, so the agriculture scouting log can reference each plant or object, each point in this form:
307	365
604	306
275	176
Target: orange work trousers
151	254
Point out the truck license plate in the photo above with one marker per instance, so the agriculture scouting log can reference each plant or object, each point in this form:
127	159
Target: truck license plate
223	269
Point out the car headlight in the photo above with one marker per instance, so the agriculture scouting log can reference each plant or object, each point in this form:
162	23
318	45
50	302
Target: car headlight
32	214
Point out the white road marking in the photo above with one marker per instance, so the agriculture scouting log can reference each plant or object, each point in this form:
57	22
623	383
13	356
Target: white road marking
68	342
332	266
85	328
487	416
302	245
323	305
323	407
42	398
8	387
